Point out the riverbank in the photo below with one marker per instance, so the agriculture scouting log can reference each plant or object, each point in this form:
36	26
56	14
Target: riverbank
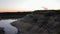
39	22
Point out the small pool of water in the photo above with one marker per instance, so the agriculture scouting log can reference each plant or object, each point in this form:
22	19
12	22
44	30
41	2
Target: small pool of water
9	29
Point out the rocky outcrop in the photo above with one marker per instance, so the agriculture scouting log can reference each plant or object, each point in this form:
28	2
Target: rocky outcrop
2	30
39	22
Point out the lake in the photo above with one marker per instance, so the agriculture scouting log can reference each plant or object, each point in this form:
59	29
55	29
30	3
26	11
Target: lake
8	28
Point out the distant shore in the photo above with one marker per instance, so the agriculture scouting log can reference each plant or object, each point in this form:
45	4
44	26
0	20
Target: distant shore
15	15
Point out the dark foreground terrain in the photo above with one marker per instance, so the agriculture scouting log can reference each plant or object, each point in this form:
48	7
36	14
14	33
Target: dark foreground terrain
2	30
39	22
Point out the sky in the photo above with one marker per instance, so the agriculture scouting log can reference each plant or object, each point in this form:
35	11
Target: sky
27	5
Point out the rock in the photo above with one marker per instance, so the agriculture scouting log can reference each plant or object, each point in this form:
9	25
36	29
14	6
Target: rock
2	30
47	22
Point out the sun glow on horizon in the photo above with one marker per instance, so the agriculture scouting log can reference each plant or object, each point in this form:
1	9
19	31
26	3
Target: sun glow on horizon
28	5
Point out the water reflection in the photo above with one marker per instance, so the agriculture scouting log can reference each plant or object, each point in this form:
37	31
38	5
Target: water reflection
9	29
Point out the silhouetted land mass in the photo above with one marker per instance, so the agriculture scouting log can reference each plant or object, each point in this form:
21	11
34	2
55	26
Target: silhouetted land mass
39	22
14	15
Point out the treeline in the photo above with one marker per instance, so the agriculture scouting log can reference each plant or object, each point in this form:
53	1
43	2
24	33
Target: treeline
14	15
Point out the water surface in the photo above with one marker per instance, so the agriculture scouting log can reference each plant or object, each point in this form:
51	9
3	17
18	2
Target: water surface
9	29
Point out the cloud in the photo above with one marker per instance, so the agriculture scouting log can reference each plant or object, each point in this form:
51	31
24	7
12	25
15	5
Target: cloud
38	4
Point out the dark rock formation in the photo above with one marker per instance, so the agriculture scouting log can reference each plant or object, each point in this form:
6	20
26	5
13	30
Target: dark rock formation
2	30
39	22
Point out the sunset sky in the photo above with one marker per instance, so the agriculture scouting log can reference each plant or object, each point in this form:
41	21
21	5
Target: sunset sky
27	5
